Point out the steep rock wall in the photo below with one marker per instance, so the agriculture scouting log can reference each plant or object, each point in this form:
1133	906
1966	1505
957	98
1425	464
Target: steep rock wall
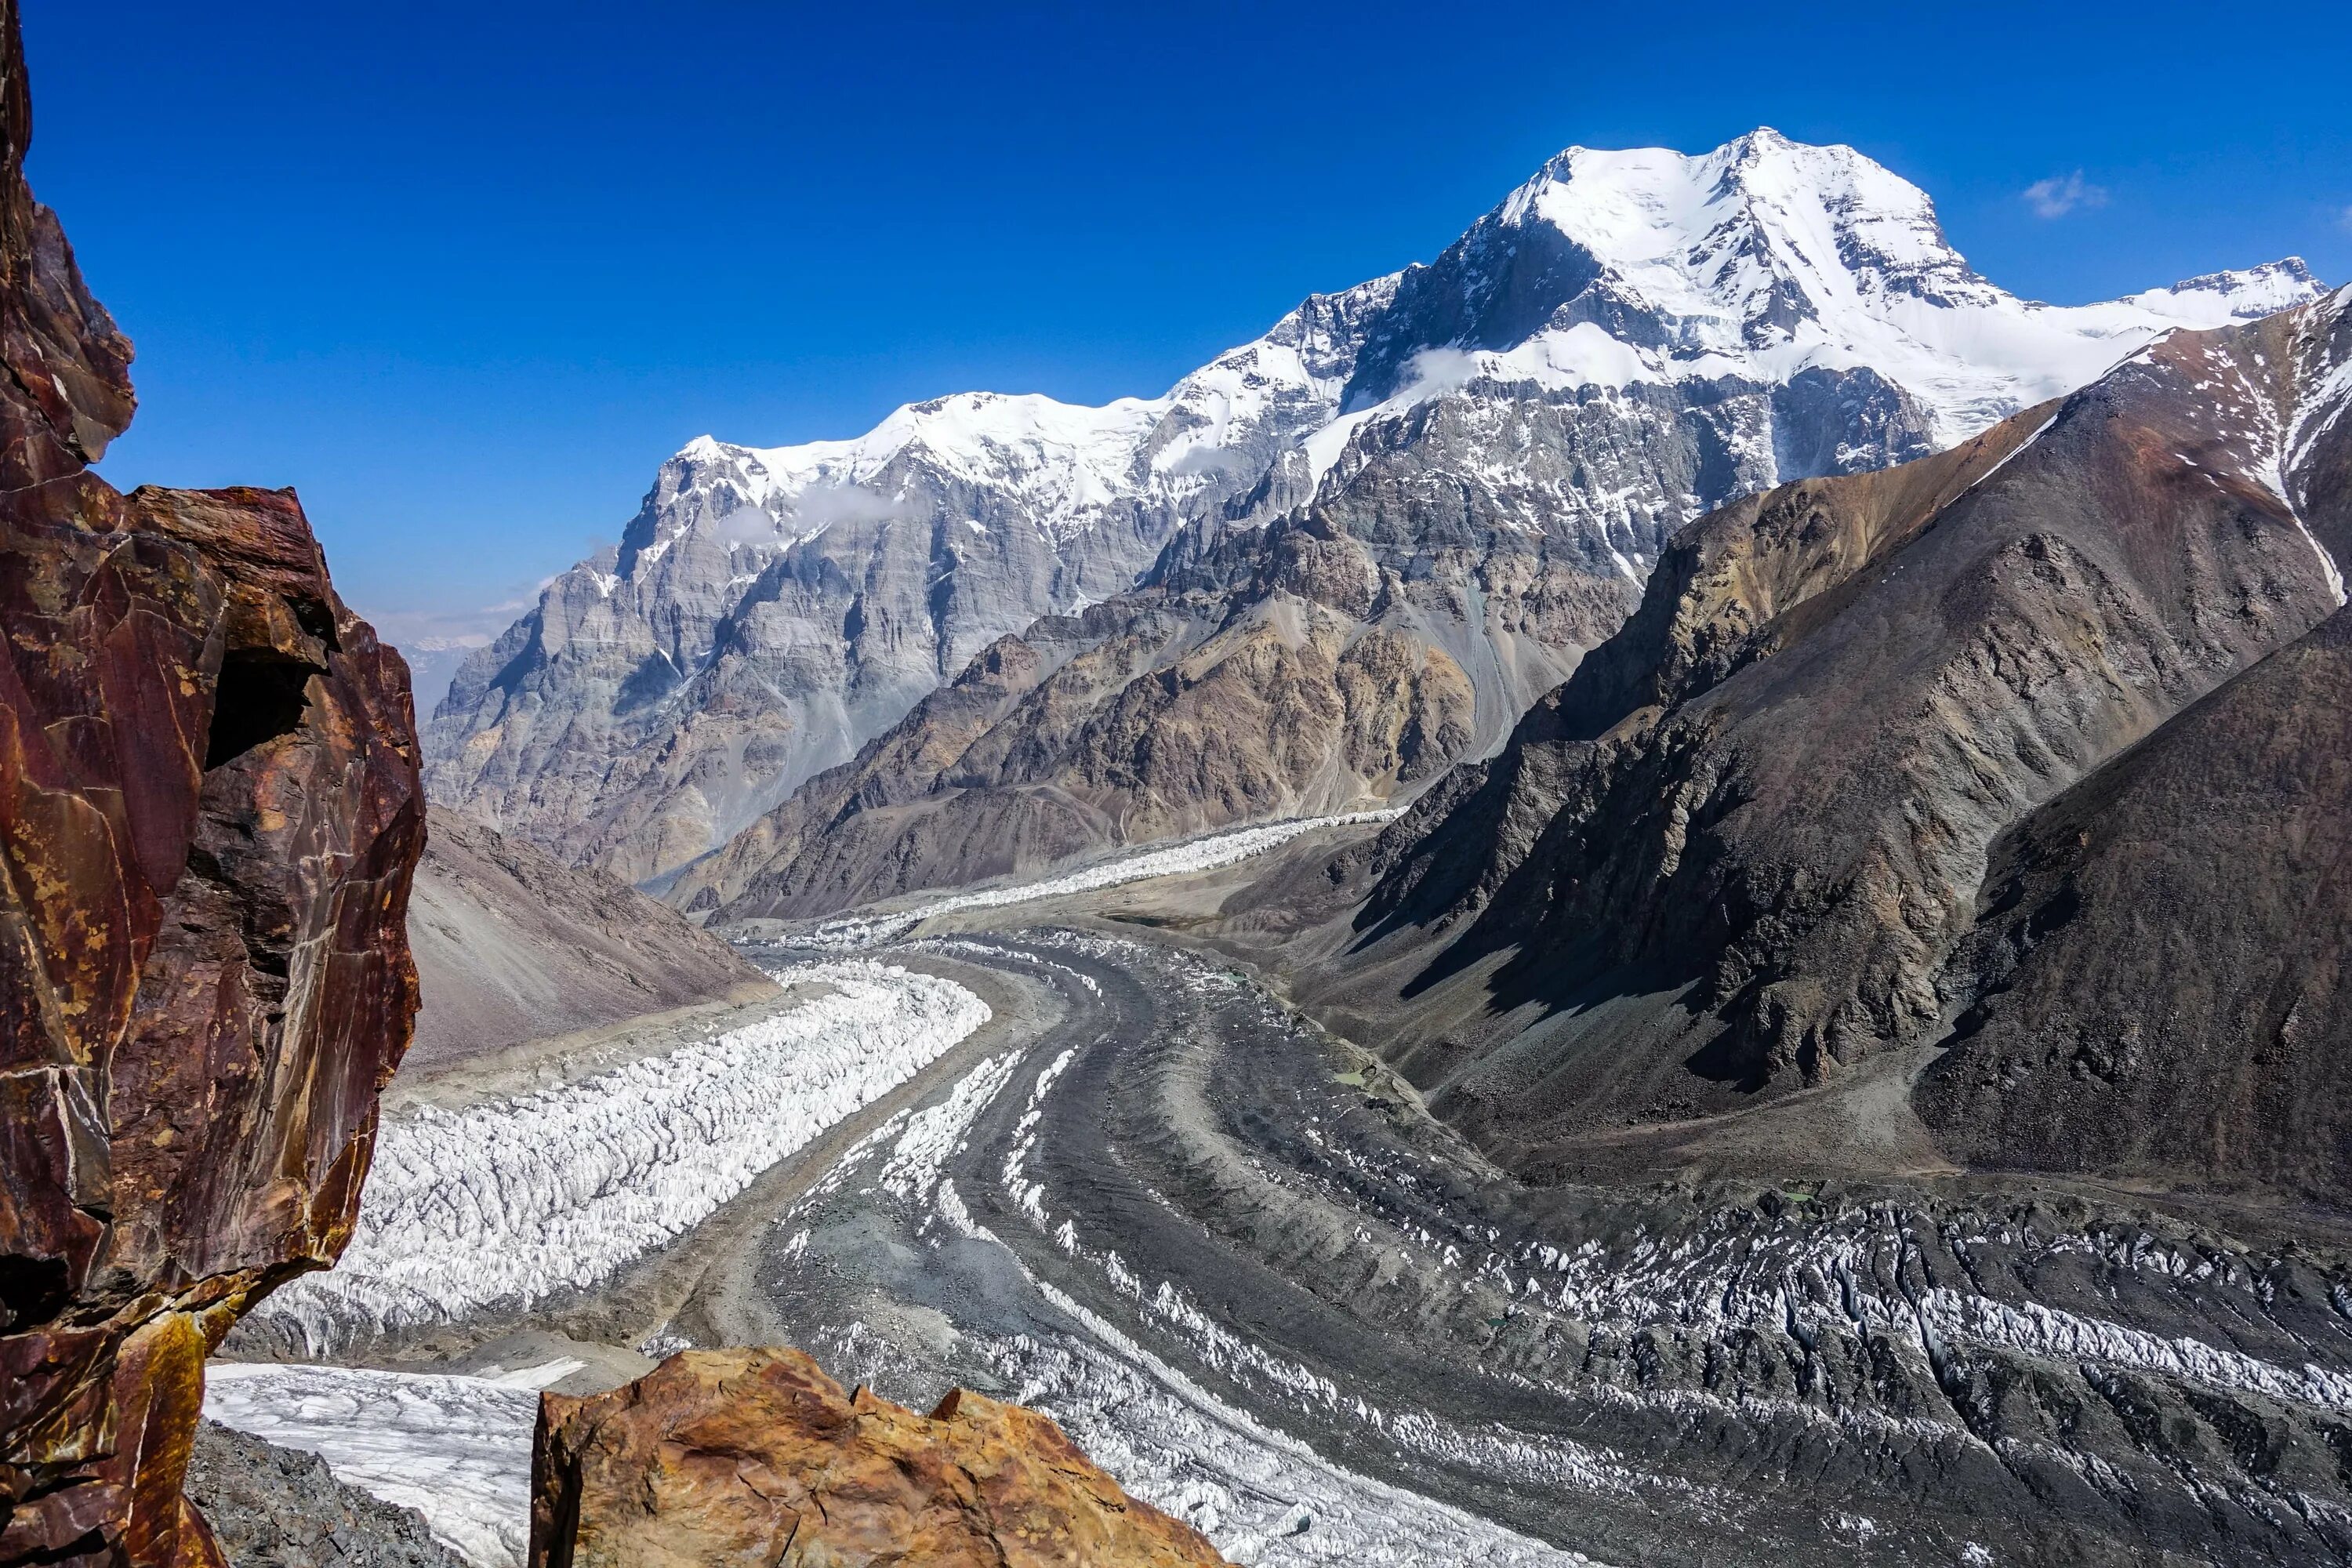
210	809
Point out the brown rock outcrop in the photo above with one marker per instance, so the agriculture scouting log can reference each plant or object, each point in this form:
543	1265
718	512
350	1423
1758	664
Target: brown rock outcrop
209	812
747	1455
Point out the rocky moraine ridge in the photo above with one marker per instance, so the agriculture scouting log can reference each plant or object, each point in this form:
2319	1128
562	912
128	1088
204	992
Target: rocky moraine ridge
1311	576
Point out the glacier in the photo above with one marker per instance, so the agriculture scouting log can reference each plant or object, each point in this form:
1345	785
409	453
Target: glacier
507	1202
1209	852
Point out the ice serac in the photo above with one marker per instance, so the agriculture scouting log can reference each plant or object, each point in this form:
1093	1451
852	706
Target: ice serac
210	809
1887	762
757	1456
1511	432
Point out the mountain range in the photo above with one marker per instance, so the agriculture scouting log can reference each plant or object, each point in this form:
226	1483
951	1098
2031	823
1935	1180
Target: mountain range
998	631
1999	797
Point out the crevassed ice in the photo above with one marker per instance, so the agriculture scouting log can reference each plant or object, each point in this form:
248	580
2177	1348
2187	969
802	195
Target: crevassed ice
455	1449
505	1203
1205	854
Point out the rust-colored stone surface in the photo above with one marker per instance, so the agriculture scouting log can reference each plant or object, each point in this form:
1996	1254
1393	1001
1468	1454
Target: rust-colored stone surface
209	814
755	1455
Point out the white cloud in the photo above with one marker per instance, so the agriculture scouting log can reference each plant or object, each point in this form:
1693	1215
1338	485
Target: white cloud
2061	194
2344	220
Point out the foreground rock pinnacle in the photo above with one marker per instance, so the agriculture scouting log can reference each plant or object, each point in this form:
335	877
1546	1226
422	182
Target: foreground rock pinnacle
744	1455
210	813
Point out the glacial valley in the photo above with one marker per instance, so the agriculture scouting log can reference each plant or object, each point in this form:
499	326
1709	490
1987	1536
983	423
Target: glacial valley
1082	1158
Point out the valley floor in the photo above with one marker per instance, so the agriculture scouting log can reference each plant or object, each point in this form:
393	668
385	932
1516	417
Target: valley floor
1091	1170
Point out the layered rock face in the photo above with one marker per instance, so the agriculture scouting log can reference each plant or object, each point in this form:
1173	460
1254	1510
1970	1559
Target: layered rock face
513	945
1936	756
767	611
2159	979
1295	669
210	808
757	1456
1628	341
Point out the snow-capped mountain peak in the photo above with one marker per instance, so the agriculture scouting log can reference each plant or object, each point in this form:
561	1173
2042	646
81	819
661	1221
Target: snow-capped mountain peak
1629	339
1714	238
1759	261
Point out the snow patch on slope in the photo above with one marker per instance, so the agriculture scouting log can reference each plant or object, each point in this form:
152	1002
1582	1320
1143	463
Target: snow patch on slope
853	932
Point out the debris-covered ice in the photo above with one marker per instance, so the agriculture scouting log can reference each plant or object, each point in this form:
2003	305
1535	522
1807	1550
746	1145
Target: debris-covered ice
852	932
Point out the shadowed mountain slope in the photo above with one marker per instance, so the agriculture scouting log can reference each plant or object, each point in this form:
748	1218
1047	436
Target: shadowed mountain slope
1811	805
513	945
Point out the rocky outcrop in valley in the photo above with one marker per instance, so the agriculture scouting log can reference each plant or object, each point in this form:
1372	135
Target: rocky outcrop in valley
280	1507
722	1456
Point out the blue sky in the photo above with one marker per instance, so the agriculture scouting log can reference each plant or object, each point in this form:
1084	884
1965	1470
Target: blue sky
465	274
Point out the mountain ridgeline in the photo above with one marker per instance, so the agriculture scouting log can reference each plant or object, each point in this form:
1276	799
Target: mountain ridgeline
997	631
2030	756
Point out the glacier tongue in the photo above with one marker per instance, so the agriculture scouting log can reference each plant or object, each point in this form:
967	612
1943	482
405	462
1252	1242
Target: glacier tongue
508	1201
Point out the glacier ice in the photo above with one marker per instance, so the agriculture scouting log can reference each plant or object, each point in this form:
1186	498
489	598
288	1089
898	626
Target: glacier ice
1207	853
455	1449
505	1203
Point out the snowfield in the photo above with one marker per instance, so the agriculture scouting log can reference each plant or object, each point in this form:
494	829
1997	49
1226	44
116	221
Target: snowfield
505	1203
853	932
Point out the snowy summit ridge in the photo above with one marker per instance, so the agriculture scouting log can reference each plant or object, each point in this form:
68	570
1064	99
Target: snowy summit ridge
1628	339
1761	258
1768	257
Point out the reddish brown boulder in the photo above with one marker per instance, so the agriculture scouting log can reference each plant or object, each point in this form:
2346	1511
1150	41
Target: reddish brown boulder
209	814
755	1455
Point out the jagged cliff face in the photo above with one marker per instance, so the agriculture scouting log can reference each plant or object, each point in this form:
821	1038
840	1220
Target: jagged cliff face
767	612
1298	669
1892	760
1628	341
210	807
